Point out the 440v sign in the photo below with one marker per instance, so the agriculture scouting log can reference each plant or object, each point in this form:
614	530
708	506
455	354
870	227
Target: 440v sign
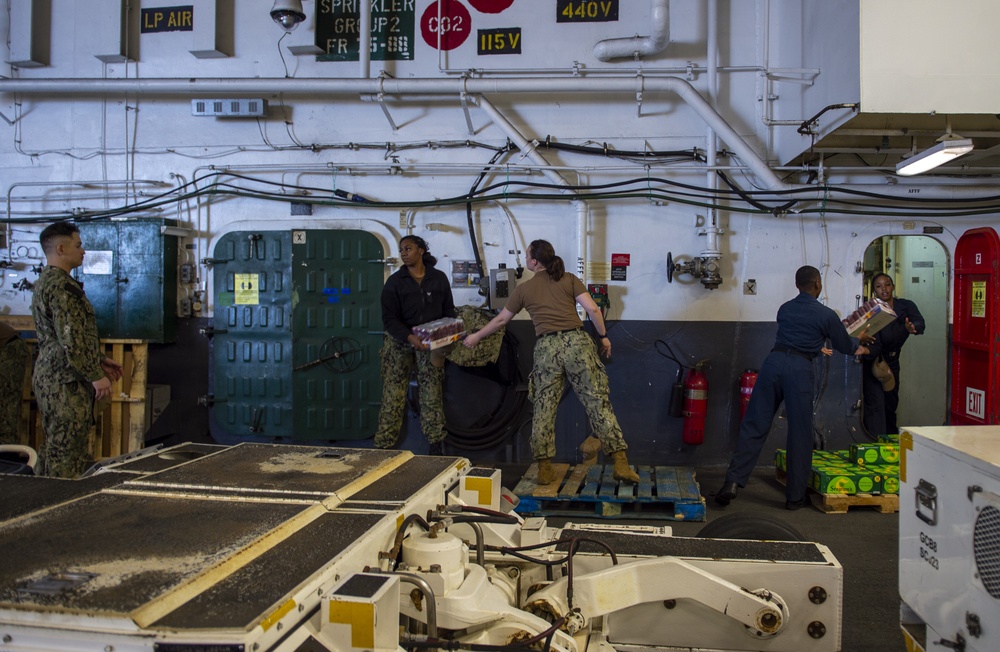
586	11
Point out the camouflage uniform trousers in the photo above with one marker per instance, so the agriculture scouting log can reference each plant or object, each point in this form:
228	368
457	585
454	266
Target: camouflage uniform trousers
397	363
13	362
67	411
572	356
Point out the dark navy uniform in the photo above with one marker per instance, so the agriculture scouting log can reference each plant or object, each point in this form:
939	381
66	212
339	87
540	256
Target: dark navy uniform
880	405
804	326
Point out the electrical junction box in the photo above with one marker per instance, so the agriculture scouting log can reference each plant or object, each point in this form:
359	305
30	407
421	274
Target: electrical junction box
502	283
230	108
599	292
949	537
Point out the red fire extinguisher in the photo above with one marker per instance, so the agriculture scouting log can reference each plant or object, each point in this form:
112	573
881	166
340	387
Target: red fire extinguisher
747	381
695	405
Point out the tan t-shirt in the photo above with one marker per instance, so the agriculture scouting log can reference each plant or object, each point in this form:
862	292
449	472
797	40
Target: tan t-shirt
551	304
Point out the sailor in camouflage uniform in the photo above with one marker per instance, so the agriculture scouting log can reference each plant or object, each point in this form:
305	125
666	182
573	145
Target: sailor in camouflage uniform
563	352
416	294
13	361
71	371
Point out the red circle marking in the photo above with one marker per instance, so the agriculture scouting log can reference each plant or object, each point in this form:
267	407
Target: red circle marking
454	25
491	6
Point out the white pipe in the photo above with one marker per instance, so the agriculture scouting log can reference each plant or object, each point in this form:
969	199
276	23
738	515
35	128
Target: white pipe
319	87
639	46
364	45
712	230
530	150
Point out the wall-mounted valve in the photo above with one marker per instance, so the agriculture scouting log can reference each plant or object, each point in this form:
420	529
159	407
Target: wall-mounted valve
706	268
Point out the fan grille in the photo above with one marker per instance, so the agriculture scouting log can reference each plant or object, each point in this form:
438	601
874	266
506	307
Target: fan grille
986	549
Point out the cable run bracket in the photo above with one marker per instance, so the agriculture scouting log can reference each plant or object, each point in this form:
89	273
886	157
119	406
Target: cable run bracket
380	98
464	97
638	95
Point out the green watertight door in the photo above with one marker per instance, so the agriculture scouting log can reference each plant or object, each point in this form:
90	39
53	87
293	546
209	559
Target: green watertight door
298	333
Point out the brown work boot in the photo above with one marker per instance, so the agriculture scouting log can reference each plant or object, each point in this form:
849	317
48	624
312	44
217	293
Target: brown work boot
590	447
546	474
623	471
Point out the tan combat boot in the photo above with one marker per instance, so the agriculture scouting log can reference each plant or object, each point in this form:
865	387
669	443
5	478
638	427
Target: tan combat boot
623	471
590	447
546	474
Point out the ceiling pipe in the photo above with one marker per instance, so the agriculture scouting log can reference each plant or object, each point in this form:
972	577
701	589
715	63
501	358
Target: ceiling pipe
388	86
640	46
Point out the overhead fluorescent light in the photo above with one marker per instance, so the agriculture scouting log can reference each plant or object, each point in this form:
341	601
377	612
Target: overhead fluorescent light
941	153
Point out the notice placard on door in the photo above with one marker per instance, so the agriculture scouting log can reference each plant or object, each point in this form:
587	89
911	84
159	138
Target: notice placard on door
979	298
247	292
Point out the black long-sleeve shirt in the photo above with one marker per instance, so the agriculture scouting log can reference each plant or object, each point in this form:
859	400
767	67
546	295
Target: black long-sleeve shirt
406	303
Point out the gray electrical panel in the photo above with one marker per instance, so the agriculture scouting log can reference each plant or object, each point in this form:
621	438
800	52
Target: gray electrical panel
502	283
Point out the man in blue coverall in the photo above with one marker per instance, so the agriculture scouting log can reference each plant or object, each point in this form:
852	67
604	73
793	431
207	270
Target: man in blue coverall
804	326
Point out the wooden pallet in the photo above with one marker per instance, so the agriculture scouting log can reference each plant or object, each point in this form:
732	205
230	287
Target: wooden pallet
119	423
663	492
840	503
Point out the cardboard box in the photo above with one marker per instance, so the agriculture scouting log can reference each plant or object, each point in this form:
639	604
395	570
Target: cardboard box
868	454
890	477
873	315
830	480
440	332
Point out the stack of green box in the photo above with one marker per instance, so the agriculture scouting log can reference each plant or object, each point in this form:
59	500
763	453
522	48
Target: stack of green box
864	468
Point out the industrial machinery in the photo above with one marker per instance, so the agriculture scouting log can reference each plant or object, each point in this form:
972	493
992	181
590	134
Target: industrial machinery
272	547
949	538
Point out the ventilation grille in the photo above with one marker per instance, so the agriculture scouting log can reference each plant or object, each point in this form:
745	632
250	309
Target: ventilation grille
986	549
252	108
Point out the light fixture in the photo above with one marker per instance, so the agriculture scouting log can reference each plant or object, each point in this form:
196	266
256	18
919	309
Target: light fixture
288	14
948	148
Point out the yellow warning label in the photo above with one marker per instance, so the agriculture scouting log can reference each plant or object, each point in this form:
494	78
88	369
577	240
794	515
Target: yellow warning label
247	292
979	298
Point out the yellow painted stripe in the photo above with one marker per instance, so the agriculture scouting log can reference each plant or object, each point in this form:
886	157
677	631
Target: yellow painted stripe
360	616
482	486
152	611
905	444
277	615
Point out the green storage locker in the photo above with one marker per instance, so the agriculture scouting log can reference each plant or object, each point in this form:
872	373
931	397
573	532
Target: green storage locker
129	273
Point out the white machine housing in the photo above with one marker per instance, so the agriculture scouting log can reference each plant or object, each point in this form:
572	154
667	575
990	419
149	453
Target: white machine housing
949	537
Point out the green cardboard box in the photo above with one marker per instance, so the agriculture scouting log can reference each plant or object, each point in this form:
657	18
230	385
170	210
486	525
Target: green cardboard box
832	480
890	477
868	454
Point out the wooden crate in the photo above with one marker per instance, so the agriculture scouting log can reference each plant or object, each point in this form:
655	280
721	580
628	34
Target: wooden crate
119	422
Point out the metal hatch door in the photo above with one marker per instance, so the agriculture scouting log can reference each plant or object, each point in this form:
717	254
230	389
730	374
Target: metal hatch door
337	279
297	333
